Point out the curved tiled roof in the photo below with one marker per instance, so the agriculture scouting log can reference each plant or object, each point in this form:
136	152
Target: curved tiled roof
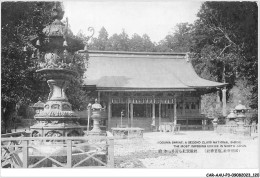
143	71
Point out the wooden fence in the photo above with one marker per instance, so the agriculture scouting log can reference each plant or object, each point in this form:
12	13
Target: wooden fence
67	152
234	129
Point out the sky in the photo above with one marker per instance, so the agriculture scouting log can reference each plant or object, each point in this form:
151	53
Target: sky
155	18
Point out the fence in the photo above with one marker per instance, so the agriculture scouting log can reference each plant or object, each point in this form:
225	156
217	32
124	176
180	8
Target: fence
234	129
68	152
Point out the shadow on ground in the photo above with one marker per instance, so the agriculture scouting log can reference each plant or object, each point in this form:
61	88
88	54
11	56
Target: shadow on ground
133	160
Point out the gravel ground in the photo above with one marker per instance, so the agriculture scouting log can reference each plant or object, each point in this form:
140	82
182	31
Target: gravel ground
143	152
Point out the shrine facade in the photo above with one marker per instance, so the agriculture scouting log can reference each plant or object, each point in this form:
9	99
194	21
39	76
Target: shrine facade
147	89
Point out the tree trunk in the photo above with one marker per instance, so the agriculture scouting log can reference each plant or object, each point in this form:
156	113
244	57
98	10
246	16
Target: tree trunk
8	110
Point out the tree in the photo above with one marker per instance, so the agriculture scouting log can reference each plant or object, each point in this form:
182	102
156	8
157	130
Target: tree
148	45
21	85
224	42
118	42
242	91
141	44
179	40
20	20
136	43
101	42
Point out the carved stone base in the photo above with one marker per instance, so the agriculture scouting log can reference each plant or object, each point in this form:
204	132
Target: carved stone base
55	129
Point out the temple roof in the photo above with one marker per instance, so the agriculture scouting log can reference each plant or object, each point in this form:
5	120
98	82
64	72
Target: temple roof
143	71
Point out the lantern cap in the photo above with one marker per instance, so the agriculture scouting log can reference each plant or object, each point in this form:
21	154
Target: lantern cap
231	115
96	105
240	106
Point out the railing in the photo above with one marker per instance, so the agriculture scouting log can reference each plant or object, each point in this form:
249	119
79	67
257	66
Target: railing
234	129
128	132
68	152
15	134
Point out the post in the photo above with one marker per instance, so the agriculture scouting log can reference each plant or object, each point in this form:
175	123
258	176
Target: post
153	116
203	124
89	110
121	119
109	114
111	152
98	97
69	153
128	112
183	105
224	101
160	106
175	111
153	111
199	104
132	114
218	100
25	153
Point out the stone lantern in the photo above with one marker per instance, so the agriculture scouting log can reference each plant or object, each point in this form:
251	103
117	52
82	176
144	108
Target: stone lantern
96	116
231	118
240	113
240	117
56	50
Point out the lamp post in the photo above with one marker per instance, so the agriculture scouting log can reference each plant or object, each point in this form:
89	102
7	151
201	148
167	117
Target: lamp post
89	110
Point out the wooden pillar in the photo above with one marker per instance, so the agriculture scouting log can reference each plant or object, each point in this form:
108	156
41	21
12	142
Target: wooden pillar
128	121
98	97
199	104
224	101
25	151
153	110
160	118
69	153
111	152
175	110
183	110
153	113
183	105
132	114
187	123
218	100
109	115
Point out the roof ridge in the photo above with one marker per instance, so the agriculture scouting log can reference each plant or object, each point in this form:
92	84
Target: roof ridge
138	53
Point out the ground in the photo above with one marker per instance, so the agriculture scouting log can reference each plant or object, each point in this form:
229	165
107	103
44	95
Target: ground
144	152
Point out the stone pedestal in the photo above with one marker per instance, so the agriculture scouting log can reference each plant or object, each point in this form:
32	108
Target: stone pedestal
96	116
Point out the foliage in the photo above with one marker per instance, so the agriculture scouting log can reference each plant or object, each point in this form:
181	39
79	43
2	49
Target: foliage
21	85
224	44
179	41
209	106
242	91
121	42
101	42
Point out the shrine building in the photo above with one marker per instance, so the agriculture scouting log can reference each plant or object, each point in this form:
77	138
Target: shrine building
148	88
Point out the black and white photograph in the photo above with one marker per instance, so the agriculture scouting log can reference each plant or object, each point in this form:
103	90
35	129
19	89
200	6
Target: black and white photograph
116	88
